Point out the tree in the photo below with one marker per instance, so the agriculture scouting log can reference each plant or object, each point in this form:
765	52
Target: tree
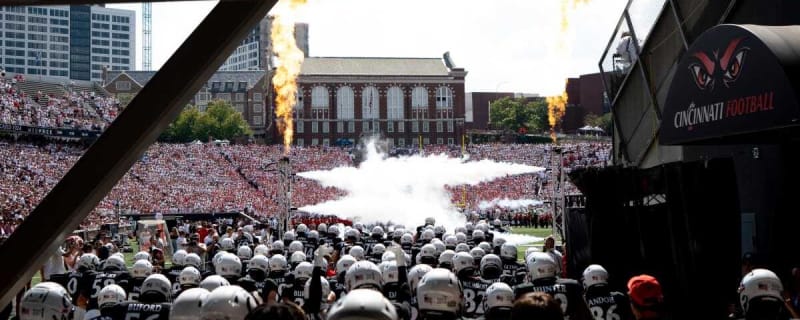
517	115
219	121
603	122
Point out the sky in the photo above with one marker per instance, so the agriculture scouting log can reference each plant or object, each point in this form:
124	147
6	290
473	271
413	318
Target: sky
505	45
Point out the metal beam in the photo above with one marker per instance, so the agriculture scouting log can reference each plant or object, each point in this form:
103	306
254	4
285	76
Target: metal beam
125	140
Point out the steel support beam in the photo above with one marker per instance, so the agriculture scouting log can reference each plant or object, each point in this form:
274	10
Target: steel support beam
125	140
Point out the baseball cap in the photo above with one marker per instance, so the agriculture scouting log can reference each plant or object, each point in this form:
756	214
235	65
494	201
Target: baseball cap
644	290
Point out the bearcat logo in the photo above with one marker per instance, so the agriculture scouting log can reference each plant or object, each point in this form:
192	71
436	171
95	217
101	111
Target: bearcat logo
708	70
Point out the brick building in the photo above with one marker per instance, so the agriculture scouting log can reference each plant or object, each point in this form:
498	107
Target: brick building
244	90
402	99
585	96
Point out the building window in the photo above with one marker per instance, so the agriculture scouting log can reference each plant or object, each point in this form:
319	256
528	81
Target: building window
401	126
299	127
389	126
257	120
369	103
364	126
299	103
240	97
299	142
426	141
450	126
401	142
439	126
314	126
345	103
326	142
414	126
257	107
426	126
394	98
444	98
319	97
123	85
224	96
314	142
351	126
439	140
339	126
450	141
326	127
258	96
419	98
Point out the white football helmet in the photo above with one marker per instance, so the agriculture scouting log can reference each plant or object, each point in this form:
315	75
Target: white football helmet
278	263
508	251
114	263
352	234
322	228
179	257
295	246
88	261
389	272
463	261
344	263
499	295
333	230
461	238
378	249
259	262
491	266
297	257
439	230
110	295
362	274
388	256
451	241
406	239
529	250
188	304
440	291
302	228
244	253
447	257
462	247
594	274
227	302
478	236
438	246
498	242
277	246
458	230
326	288
141	269
193	260
229	265
759	284
157	283
428	235
477	254
189	276
262	250
540	265
214	281
469	226
415	276
46	301
357	252
427	251
429	221
303	270
313	234
485	246
377	230
227	244
362	304
288	236
141	255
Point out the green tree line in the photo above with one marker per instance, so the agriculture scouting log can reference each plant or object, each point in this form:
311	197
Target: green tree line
518	115
219	121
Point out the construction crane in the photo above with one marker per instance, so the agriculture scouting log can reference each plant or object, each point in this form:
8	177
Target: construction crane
147	36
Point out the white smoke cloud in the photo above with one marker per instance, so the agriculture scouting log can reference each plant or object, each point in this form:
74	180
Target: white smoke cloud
405	190
508	203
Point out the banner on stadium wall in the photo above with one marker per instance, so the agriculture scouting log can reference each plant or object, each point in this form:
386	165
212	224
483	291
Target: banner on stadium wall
733	82
54	132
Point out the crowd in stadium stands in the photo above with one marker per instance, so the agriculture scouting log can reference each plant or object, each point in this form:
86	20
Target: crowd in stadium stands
76	110
182	178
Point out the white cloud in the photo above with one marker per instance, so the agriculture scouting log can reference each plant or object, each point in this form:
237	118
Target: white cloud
504	44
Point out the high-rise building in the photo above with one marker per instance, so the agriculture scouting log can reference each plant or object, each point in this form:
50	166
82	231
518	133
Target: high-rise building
71	42
251	53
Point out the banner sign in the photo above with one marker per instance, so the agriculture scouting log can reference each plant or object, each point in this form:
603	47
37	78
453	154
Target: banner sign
54	132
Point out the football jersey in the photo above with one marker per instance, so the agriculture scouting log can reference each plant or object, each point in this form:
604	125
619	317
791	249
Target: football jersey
140	311
337	286
252	285
513	272
567	291
282	280
606	304
79	287
136	289
474	289
105	278
295	292
308	248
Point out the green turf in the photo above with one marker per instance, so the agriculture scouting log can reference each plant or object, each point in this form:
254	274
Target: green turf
536	232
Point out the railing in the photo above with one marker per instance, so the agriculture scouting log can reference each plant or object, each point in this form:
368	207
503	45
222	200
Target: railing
625	46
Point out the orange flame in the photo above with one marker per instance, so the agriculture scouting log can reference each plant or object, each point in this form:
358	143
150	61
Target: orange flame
556	107
290	59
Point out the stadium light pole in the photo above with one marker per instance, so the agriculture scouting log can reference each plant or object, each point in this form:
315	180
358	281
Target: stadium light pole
126	139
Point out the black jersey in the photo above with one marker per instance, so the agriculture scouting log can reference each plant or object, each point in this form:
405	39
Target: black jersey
136	289
606	304
252	285
174	276
105	278
79	286
140	311
296	292
337	286
513	272
407	248
309	247
474	295
567	291
181	289
282	280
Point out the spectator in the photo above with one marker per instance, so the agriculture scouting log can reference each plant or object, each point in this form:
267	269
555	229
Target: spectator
647	299
536	305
